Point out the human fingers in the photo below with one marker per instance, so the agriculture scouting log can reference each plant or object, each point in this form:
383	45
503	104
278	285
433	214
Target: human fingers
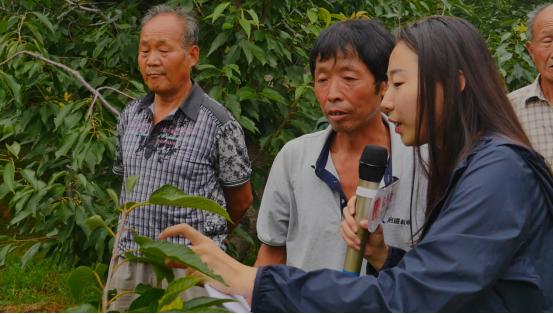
186	231
349	237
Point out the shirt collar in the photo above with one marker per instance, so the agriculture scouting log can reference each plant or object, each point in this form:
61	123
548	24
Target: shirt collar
534	91
190	106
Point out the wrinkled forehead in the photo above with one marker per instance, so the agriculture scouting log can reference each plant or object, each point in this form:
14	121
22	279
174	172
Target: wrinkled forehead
334	53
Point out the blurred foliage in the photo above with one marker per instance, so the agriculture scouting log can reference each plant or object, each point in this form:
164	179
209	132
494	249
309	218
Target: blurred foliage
57	138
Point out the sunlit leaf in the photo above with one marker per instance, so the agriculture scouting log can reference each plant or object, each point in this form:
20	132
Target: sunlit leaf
219	9
164	250
14	148
175	288
172	196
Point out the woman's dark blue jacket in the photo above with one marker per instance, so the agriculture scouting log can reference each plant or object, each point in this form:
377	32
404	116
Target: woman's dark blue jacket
489	248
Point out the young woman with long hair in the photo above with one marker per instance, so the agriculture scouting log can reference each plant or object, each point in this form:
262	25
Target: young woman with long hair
486	244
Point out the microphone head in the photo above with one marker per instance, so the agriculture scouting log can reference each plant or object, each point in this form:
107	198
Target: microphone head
372	163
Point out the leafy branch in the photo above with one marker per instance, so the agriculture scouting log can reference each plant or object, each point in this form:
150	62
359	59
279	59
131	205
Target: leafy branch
74	72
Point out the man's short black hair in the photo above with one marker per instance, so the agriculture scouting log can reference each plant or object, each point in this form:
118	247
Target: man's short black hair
370	41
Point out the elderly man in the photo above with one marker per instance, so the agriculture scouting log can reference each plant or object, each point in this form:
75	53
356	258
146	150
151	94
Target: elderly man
533	103
176	135
313	176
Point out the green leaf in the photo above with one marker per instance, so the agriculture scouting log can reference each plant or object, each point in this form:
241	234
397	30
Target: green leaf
219	11
254	17
68	142
246	25
82	308
14	148
246	93
113	196
202	302
60	117
79	279
172	196
15	88
312	16
92	223
130	183
161	270
29	254
7	249
248	124
8	175
247	50
220	40
21	215
163	250
175	288
30	176
273	95
44	20
147	301
325	16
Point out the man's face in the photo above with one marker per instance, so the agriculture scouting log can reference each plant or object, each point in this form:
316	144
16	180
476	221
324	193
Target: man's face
164	63
347	93
540	47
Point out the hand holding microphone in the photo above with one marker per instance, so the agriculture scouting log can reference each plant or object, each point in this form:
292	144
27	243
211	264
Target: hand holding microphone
372	166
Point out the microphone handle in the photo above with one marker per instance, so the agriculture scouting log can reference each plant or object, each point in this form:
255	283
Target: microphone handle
354	258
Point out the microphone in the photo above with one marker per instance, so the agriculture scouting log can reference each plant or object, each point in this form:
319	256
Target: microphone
372	166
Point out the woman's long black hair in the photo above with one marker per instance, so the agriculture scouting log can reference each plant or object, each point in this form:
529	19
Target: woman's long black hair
450	49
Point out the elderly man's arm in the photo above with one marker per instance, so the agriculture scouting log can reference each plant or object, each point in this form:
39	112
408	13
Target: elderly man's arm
239	199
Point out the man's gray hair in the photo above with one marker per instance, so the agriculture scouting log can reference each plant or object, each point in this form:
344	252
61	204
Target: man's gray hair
191	29
532	19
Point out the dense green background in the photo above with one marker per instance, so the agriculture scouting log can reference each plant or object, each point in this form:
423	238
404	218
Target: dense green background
57	143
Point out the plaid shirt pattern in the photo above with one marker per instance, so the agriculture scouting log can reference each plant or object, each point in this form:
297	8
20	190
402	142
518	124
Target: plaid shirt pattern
536	116
200	149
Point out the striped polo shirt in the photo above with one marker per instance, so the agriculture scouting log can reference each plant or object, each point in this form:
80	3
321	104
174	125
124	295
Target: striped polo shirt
200	149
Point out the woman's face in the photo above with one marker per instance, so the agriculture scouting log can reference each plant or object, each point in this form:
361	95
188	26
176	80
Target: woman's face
401	98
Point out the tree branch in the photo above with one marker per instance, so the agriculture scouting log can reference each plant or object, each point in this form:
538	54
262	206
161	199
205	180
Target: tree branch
75	73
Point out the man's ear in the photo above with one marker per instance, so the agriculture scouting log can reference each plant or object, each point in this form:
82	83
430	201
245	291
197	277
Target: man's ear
462	81
194	55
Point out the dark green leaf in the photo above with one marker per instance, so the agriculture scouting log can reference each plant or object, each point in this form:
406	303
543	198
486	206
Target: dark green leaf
113	196
246	25
220	40
163	250
80	279
92	223
31	252
8	175
147	301
44	20
14	148
175	288
15	88
201	302
4	251
68	142
172	196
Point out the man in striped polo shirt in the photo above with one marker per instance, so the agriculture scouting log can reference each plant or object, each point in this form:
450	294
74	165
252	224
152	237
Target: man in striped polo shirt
175	135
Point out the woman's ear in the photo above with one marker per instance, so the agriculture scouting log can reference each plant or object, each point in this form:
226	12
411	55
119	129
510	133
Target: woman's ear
461	81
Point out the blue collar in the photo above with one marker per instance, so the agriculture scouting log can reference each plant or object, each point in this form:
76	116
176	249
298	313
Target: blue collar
333	182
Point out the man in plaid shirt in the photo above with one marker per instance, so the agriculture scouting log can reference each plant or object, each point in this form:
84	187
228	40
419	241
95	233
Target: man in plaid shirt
533	103
175	135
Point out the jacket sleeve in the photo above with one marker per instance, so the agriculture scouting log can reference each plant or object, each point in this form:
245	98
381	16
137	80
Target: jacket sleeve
482	224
